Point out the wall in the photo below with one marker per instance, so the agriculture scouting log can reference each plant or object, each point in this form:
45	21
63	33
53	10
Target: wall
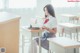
26	14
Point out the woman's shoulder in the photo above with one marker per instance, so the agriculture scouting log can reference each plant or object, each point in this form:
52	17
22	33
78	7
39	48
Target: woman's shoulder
53	18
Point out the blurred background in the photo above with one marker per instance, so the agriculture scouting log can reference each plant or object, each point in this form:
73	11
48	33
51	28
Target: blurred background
31	12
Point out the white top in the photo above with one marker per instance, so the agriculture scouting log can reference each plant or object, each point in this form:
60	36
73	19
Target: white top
64	42
52	23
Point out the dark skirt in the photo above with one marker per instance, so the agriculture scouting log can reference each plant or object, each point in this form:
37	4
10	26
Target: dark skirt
45	42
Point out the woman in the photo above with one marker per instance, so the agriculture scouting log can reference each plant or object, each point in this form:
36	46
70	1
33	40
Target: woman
49	26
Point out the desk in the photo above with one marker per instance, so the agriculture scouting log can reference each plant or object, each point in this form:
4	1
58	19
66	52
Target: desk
33	31
67	15
63	45
37	31
9	32
71	17
70	26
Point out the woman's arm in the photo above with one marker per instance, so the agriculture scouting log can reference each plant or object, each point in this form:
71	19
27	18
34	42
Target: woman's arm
53	30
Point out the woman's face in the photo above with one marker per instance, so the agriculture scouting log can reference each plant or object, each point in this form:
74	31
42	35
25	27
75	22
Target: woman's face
46	11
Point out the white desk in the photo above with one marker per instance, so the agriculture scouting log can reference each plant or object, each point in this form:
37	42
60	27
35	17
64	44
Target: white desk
63	45
67	15
71	17
70	26
39	35
38	31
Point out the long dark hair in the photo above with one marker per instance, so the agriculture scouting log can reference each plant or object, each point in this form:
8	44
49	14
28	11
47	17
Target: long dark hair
50	10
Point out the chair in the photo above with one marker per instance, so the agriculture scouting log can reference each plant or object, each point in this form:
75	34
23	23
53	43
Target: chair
60	31
69	29
74	19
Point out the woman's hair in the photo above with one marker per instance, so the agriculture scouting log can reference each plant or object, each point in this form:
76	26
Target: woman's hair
50	10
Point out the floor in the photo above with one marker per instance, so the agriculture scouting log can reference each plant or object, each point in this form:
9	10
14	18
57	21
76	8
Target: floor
27	43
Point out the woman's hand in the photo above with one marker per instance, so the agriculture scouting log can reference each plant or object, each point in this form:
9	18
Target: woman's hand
44	27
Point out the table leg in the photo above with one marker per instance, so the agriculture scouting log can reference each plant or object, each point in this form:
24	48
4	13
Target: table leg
69	20
77	33
31	43
74	50
49	51
65	34
70	35
59	34
66	50
39	43
22	43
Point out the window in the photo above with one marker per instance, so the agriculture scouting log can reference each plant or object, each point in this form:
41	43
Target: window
62	3
22	3
1	4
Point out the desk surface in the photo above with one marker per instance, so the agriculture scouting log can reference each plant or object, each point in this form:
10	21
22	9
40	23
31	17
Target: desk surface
4	16
32	30
65	42
67	15
69	25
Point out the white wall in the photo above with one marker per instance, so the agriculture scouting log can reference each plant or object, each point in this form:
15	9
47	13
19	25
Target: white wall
26	14
71	10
